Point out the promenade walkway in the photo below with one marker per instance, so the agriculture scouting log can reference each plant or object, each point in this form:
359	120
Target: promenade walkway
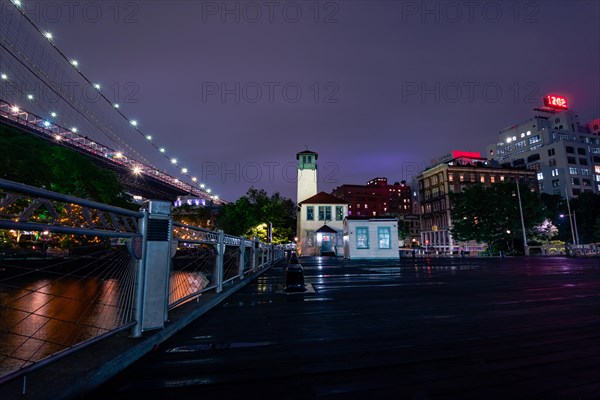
425	329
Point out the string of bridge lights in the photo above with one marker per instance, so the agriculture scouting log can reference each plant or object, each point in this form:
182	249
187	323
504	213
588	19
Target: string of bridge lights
116	106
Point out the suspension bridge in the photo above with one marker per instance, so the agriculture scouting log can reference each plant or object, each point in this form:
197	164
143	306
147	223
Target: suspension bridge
45	93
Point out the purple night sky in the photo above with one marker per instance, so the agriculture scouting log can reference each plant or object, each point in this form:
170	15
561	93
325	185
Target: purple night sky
377	88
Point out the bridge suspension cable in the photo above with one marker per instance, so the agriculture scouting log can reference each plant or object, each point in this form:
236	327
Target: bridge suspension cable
85	109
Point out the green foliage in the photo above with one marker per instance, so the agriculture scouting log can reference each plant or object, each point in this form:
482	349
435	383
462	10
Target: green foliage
193	215
249	212
403	229
491	214
587	211
36	162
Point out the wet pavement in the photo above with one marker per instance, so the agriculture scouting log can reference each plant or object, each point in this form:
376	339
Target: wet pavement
425	329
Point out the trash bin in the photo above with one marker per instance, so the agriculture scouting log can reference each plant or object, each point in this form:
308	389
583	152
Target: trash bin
294	276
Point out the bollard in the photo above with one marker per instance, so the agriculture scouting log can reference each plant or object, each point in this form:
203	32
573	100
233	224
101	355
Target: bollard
294	276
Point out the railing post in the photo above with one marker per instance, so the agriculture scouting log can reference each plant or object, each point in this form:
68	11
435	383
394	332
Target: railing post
140	269
152	291
242	255
220	249
254	253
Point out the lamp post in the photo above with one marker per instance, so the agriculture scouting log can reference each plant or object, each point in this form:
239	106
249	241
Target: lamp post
573	224
525	245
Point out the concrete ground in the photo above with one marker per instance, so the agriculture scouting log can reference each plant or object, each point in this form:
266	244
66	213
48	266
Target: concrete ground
510	328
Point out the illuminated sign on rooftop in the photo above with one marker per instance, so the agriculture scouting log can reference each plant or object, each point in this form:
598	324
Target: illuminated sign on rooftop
557	102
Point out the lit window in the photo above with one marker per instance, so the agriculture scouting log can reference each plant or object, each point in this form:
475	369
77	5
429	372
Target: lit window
339	213
384	237
540	176
572	170
501	178
362	237
555	172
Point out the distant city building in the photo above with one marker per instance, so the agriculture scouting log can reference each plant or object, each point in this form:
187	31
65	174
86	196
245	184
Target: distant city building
377	198
564	153
414	230
454	173
320	216
371	237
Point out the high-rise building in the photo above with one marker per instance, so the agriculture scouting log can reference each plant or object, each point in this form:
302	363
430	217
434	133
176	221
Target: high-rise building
452	173
564	153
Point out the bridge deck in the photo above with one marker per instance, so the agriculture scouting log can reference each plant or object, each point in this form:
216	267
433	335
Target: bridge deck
468	329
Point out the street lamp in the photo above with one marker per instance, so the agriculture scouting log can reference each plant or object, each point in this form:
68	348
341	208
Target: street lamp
573	223
574	235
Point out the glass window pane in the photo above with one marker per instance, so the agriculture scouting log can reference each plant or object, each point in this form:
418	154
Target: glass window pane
362	238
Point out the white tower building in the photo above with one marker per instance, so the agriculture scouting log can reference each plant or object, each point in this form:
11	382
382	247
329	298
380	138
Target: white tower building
307	175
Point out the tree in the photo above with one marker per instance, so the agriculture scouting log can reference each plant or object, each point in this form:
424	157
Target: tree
249	215
201	217
587	210
554	206
491	214
545	231
36	162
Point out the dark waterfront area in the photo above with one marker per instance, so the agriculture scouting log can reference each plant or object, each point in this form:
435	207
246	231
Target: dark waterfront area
447	328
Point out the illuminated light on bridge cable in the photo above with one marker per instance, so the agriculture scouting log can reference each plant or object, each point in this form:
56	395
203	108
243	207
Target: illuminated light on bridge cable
149	137
53	114
202	185
29	97
46	124
173	161
17	3
75	63
208	190
194	179
162	150
184	170
134	122
48	35
74	130
137	170
15	109
116	105
57	137
176	181
118	155
216	197
4	77
97	86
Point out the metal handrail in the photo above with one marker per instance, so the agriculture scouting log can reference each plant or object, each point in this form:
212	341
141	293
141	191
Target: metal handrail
22	188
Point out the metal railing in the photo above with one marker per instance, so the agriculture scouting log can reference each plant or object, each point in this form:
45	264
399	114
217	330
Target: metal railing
51	305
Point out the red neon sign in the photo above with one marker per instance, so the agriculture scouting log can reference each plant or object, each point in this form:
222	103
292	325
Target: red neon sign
554	101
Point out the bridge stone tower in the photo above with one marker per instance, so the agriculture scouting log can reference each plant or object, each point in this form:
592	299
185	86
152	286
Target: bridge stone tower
307	175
